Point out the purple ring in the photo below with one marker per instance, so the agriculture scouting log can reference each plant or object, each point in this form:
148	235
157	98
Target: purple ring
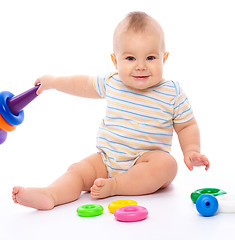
3	136
6	112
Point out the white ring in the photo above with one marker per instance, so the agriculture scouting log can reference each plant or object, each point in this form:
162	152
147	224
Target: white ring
226	203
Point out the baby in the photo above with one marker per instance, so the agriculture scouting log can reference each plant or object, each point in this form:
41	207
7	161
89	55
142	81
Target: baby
134	138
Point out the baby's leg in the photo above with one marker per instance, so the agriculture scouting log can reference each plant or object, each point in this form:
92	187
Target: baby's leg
79	177
153	170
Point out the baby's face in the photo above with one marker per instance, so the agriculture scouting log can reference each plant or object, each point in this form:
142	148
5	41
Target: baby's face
139	59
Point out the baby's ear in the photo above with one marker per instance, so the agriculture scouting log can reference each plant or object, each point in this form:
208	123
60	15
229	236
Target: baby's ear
114	60
166	54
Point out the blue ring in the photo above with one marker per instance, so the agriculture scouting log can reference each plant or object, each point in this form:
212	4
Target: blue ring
207	205
6	112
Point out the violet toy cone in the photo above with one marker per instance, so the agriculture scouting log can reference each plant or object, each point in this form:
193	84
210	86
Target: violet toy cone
11	110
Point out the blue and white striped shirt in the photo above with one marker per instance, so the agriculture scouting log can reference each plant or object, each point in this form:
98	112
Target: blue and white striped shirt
137	121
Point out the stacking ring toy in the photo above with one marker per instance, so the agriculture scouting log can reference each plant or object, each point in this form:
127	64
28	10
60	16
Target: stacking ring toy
226	203
113	206
131	214
6	112
207	205
11	110
90	210
213	191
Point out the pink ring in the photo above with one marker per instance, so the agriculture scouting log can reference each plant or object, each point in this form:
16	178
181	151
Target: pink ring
131	214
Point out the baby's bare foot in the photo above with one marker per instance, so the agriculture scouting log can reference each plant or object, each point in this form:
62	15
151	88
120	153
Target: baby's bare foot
103	188
37	198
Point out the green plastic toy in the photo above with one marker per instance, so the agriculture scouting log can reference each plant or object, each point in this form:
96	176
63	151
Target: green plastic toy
90	210
213	191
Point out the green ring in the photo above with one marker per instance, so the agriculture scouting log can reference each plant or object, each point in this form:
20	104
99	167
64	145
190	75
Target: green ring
213	191
90	210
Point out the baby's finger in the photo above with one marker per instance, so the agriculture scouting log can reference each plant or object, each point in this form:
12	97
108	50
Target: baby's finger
207	167
40	90
188	163
206	163
37	82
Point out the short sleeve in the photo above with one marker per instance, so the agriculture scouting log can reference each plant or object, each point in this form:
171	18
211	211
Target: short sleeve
99	85
182	109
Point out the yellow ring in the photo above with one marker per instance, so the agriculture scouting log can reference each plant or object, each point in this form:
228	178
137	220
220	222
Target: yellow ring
113	206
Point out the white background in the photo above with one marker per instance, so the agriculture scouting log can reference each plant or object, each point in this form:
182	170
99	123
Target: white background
67	37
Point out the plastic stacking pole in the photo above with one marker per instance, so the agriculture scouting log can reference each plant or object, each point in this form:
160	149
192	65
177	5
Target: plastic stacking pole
17	103
15	107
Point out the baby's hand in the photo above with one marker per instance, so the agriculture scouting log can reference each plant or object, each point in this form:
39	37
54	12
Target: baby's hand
46	83
196	159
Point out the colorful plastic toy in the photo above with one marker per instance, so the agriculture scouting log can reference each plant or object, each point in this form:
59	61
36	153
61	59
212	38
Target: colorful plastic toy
90	210
113	206
207	205
3	136
213	191
11	110
131	214
226	203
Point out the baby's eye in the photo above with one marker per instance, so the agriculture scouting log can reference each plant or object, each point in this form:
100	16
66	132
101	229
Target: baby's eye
150	58
130	58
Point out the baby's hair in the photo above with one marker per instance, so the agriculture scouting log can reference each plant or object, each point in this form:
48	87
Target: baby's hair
137	21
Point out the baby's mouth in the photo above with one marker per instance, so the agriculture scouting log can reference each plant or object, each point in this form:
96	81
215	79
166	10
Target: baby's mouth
141	77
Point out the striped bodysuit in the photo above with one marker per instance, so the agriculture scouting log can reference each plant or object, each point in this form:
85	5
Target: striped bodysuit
137	121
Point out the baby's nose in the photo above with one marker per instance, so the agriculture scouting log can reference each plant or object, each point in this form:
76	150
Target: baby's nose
140	65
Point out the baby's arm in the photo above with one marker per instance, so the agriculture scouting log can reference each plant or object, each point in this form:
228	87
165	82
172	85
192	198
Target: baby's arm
79	85
189	138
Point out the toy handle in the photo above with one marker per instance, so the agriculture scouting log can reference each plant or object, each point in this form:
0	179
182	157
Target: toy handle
17	103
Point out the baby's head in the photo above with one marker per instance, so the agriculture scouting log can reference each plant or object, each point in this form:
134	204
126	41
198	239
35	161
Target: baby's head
139	50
